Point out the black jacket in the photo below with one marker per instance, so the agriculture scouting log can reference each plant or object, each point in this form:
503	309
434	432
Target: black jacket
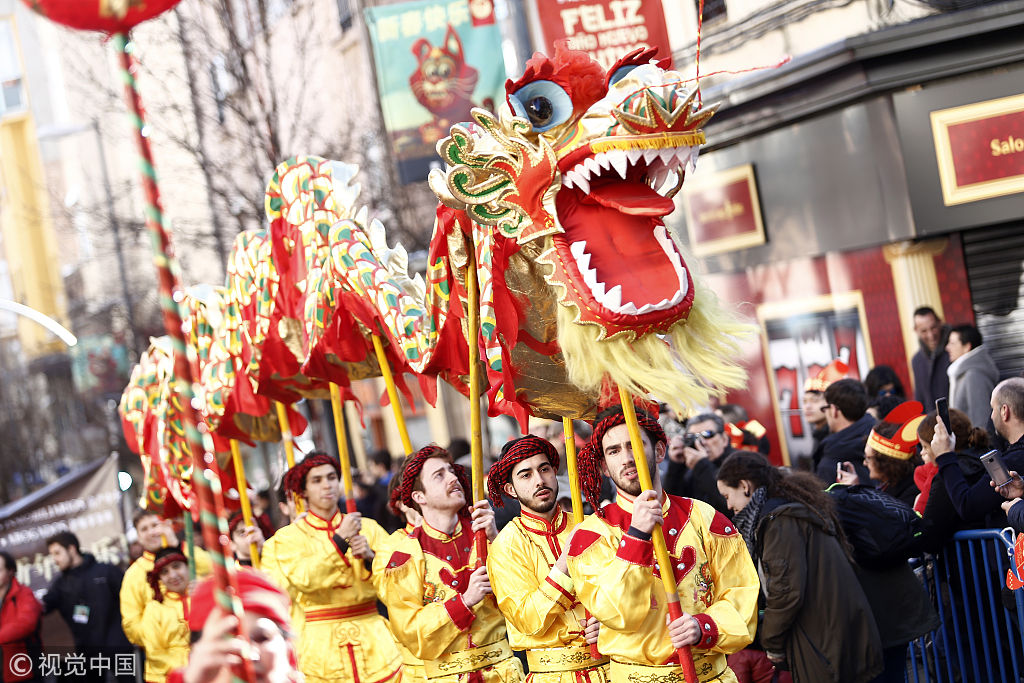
940	519
846	445
930	379
700	482
815	610
905	490
978	501
94	589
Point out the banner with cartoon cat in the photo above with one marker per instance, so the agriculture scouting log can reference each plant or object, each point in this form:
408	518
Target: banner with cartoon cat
435	59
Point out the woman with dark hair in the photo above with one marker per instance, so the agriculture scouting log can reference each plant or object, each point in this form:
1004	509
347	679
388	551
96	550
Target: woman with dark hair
893	469
797	543
19	624
882	380
939	517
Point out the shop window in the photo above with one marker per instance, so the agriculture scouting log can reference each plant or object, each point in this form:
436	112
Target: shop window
12	95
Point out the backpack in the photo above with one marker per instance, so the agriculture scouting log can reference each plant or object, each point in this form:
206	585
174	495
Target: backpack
883	530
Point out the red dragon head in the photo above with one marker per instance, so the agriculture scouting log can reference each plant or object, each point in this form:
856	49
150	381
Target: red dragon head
580	172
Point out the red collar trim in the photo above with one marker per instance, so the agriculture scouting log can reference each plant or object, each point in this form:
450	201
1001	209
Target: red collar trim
538	525
328	524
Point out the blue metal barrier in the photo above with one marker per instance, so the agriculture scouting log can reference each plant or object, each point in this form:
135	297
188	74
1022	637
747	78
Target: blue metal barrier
980	639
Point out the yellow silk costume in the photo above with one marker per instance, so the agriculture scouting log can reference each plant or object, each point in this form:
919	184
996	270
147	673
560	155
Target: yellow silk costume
412	666
136	592
421	582
615	578
538	601
268	565
164	632
343	638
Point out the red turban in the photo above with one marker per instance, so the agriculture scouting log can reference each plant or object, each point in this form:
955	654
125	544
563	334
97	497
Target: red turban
295	478
591	454
513	453
402	493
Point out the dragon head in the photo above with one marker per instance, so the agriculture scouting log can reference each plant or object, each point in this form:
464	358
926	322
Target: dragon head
579	171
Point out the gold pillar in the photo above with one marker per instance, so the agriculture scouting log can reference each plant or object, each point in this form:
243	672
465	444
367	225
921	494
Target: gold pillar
916	284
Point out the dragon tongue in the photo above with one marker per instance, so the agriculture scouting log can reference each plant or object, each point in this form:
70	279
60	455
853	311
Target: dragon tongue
633	198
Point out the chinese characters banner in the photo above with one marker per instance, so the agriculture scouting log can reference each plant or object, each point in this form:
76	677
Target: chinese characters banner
435	61
606	29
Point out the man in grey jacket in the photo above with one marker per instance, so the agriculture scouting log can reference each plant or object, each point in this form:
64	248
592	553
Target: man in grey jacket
972	374
931	360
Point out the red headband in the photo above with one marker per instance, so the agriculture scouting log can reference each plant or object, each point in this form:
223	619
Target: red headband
411	471
295	478
591	454
513	453
153	577
258	595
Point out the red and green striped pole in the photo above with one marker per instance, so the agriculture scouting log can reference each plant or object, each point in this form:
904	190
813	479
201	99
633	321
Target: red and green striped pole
205	472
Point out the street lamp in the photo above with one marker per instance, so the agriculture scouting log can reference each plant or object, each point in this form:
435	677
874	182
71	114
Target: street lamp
57	131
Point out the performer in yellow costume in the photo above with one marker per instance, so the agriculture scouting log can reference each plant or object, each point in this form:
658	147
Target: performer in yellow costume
412	666
611	562
323	559
164	625
136	591
438	600
529	575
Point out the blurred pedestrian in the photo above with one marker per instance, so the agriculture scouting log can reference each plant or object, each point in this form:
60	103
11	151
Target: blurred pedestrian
931	360
795	538
693	466
19	624
86	593
846	405
972	373
882	380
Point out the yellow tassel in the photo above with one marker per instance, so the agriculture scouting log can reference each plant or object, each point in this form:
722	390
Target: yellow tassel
697	359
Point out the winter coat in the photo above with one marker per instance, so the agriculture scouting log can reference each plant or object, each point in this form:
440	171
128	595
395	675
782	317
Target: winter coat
87	597
905	489
940	520
972	377
978	501
846	445
930	380
815	610
19	630
699	482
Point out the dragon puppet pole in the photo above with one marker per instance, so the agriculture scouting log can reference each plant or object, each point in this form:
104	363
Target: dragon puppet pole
476	444
389	382
657	537
206	473
574	490
289	447
243	496
341	434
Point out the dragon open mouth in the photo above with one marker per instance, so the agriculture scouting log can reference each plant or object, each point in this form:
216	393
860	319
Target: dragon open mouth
615	245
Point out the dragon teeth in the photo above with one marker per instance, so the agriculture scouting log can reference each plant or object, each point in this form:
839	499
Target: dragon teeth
620	163
578	249
613	298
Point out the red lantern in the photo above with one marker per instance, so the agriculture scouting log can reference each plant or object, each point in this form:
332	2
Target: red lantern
108	16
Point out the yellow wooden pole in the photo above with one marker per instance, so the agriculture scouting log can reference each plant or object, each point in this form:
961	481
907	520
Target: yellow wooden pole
389	381
243	495
657	537
343	455
289	447
576	495
476	444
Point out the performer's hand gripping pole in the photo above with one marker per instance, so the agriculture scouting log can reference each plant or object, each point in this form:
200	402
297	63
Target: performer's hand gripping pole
476	445
289	447
575	493
389	381
337	405
243	495
657	537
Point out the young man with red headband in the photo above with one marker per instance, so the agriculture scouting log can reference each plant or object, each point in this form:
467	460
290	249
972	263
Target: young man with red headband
615	573
437	597
527	566
155	533
164	625
323	559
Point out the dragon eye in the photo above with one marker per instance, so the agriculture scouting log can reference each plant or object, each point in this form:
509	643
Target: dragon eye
543	103
621	73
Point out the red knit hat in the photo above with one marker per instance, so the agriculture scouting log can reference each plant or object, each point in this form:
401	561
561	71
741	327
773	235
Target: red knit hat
295	478
901	445
258	595
513	453
164	557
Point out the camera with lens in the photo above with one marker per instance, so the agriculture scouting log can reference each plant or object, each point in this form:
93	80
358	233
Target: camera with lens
690	440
